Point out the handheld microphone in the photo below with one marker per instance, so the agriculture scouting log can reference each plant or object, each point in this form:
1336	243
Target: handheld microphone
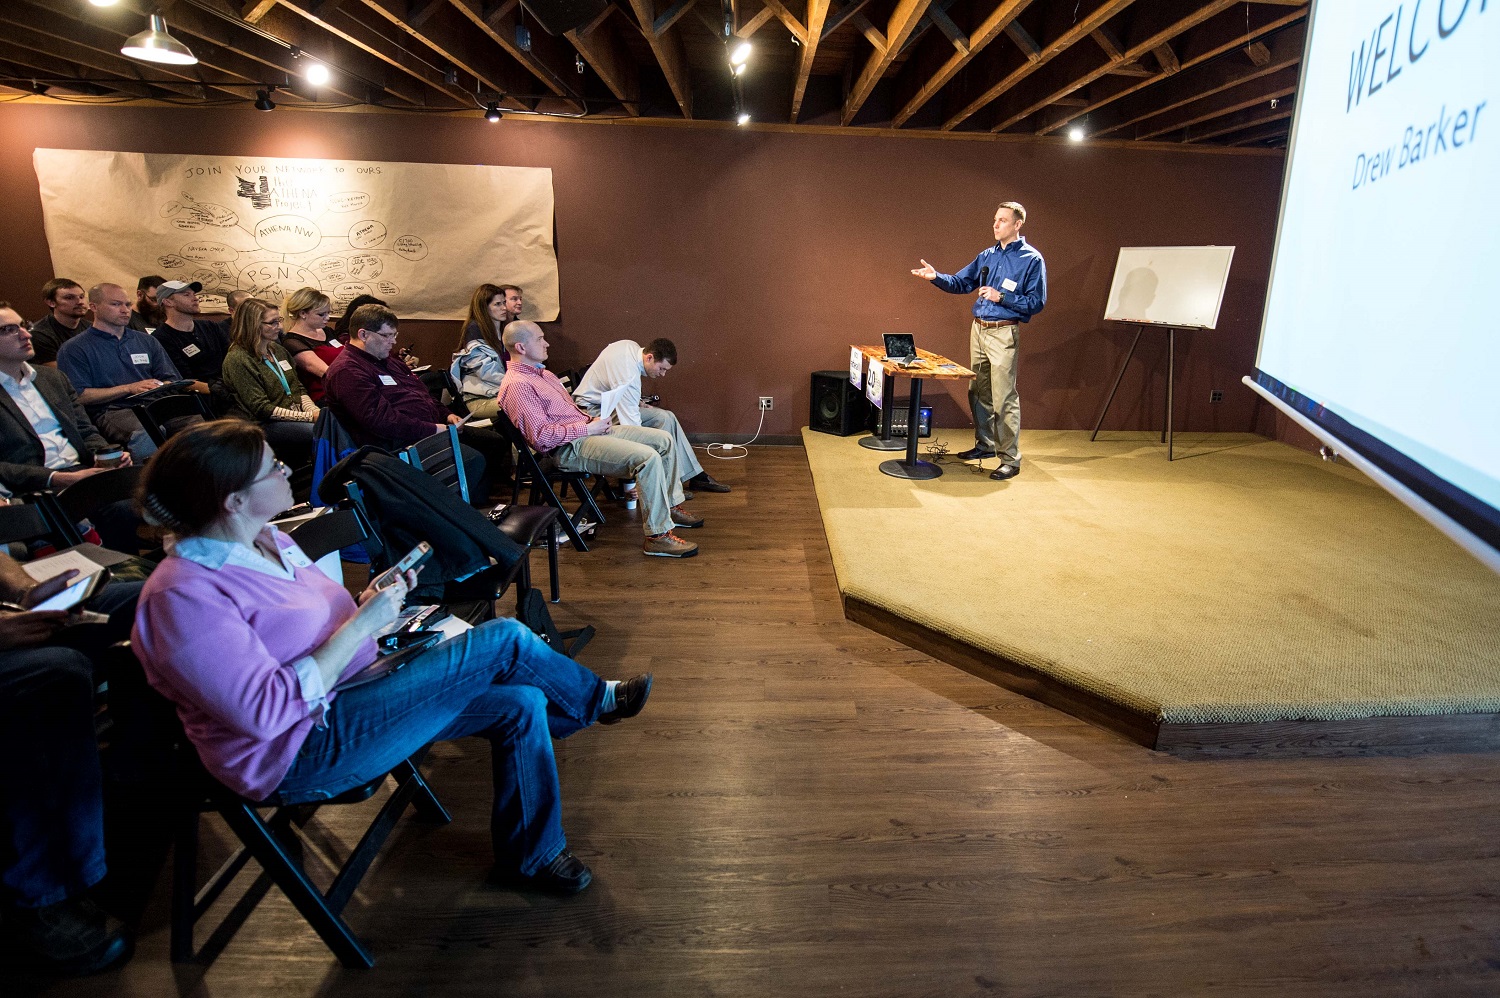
984	275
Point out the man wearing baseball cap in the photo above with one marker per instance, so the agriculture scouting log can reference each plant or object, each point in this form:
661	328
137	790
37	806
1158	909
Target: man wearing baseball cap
196	346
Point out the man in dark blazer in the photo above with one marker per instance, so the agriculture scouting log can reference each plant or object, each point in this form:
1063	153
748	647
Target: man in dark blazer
46	439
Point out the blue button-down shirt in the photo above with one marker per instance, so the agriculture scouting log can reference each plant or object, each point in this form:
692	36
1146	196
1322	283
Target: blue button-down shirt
95	359
1019	262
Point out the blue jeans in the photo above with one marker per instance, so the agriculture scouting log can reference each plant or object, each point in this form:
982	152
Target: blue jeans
498	681
51	803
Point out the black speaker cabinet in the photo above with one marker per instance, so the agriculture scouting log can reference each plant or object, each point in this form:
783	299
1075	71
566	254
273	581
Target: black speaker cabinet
561	16
837	406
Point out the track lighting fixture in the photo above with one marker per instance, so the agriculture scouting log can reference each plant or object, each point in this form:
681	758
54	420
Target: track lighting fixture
156	44
492	113
263	100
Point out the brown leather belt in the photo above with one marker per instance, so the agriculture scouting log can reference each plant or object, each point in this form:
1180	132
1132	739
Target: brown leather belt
998	323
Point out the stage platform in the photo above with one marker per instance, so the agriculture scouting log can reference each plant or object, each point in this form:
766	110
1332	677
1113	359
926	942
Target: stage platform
1246	598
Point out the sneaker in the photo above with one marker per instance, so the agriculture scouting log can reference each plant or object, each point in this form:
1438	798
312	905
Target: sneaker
73	937
669	545
1005	472
683	518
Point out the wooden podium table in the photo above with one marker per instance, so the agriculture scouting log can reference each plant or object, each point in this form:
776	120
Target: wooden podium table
927	365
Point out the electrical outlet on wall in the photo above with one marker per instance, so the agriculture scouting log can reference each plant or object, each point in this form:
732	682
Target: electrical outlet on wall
765	402
1215	395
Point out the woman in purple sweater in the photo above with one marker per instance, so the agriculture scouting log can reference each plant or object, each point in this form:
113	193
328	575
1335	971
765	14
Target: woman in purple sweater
249	639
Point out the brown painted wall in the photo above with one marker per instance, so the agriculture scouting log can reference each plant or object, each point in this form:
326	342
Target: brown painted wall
764	254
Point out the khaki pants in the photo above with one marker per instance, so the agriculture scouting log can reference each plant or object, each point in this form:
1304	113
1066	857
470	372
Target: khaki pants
992	395
637	452
666	421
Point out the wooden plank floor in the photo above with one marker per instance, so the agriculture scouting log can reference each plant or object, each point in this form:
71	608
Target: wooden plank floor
808	808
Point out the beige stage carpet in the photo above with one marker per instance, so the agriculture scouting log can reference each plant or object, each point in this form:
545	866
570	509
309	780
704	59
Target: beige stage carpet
1247	581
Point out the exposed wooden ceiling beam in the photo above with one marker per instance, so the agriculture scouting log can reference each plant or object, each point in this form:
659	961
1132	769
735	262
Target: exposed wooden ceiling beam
21	57
671	15
384	49
817	13
1239	121
340	55
1081	28
601	46
903	19
1150	29
547	58
670	56
1208	41
1249	94
990	28
872	34
92	47
1197	82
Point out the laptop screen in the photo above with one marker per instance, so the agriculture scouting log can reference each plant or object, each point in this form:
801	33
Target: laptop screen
900	345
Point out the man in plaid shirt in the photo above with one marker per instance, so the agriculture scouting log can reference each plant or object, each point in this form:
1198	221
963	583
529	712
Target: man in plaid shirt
545	414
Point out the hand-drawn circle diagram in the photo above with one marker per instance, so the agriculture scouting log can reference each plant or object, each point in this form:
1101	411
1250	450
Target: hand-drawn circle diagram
290	249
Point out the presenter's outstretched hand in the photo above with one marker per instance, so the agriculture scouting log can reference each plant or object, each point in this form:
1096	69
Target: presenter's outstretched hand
926	272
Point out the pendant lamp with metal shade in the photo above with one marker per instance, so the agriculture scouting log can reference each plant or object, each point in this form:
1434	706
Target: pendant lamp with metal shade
155	44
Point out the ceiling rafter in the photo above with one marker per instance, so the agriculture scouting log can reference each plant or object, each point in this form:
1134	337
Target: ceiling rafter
1243	96
547	59
990	28
341	24
902	21
1239	121
669	52
1150	29
817	14
1202	80
1065	40
1209	41
340	55
602	48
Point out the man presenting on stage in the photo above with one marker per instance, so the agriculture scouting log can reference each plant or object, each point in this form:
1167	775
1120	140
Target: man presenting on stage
1011	278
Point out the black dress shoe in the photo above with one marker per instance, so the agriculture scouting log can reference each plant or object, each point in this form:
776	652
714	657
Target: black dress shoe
630	697
1005	472
975	453
72	938
566	874
704	482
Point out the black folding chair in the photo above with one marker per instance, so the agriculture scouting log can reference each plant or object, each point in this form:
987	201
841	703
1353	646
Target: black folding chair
530	526
530	468
27	522
87	496
158	415
329	532
150	759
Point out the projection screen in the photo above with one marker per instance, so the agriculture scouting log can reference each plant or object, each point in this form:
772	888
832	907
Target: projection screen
1380	333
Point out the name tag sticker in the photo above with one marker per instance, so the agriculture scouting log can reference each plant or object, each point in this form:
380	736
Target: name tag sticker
140	358
191	350
285	366
1007	285
336	344
386	379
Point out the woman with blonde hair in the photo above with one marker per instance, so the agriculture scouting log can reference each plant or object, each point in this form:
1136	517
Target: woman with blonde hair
306	340
259	376
480	361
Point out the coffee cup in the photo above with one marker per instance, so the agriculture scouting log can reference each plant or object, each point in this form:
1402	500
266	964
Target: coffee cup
109	458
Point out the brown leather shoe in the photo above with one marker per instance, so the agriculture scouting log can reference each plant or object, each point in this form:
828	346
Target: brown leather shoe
566	874
630	697
684	519
704	482
669	545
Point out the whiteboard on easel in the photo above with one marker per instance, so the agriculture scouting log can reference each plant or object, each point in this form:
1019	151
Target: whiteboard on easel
1169	285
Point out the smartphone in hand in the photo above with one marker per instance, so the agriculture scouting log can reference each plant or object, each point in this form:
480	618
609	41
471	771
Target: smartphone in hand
414	559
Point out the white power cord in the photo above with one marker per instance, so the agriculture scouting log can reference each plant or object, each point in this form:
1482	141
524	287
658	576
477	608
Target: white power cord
711	448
